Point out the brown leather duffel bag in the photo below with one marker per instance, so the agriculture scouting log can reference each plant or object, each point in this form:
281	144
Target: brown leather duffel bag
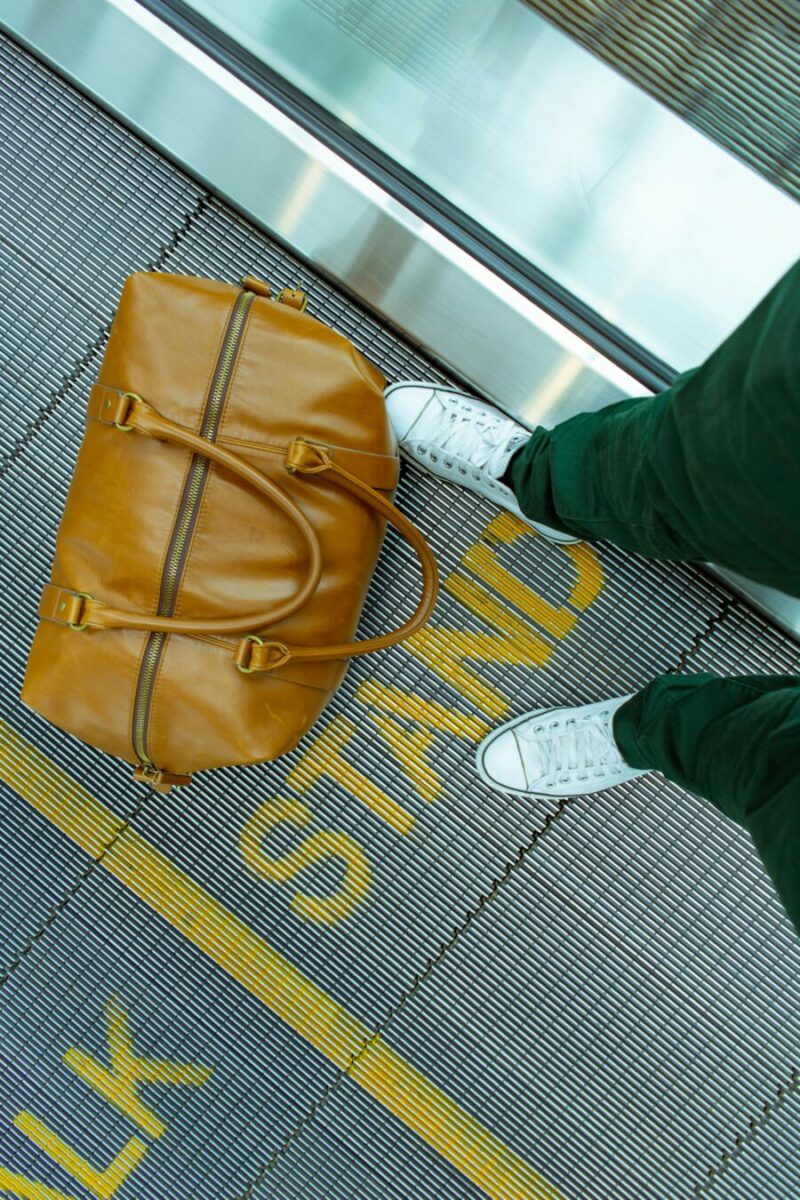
227	509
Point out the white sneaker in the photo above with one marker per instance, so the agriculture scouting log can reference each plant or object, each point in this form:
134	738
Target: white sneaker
461	439
556	752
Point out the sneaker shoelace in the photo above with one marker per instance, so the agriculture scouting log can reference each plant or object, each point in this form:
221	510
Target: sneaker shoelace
481	438
585	749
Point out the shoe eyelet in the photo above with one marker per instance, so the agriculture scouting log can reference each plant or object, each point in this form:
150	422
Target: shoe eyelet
538	728
434	457
461	471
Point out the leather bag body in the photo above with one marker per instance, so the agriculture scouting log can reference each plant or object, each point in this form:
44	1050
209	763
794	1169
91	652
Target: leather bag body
226	512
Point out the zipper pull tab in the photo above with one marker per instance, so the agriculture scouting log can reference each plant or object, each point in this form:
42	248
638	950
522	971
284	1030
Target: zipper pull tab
160	781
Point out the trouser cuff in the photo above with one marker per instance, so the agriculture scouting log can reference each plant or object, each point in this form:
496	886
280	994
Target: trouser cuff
625	726
529	475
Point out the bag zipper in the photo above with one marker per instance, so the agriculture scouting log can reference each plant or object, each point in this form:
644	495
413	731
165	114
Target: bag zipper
188	511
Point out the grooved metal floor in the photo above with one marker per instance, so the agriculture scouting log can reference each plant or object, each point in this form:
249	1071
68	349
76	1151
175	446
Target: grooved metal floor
595	999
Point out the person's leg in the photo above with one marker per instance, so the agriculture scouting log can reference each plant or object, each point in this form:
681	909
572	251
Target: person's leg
708	470
735	742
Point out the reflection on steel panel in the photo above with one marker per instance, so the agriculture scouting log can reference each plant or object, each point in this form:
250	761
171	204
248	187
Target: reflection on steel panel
571	165
731	70
530	1001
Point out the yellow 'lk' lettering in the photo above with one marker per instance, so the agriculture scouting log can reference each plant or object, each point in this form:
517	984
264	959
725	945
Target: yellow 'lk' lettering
100	1183
119	1085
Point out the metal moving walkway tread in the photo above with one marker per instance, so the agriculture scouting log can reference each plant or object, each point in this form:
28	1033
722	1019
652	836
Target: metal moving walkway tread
580	1016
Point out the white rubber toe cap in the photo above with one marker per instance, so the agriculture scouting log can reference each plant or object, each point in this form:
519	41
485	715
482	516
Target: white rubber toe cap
404	403
500	763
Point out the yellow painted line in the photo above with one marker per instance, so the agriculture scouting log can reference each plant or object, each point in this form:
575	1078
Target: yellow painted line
266	974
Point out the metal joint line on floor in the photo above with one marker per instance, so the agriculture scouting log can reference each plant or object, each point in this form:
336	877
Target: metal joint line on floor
7	972
89	356
717	619
785	1091
73	376
416	983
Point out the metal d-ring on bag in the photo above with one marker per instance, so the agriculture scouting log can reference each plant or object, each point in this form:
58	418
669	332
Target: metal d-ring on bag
210	570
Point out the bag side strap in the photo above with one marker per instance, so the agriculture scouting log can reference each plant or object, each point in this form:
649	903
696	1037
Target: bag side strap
380	471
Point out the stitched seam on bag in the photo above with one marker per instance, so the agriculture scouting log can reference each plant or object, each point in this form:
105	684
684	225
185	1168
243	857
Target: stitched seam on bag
248	445
230	648
268	447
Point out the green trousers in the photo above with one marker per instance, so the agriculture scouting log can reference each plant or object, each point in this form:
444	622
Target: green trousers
708	470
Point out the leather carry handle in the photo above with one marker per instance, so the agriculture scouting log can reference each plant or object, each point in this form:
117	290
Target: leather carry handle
140	416
255	654
130	412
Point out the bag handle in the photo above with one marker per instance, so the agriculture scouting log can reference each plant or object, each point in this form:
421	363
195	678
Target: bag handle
130	412
255	654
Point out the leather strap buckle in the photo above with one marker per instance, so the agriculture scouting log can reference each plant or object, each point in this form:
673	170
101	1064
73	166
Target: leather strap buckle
251	283
254	654
244	653
130	399
294	298
306	458
75	624
111	406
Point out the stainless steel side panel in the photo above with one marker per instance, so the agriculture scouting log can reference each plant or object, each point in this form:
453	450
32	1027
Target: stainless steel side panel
249	151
